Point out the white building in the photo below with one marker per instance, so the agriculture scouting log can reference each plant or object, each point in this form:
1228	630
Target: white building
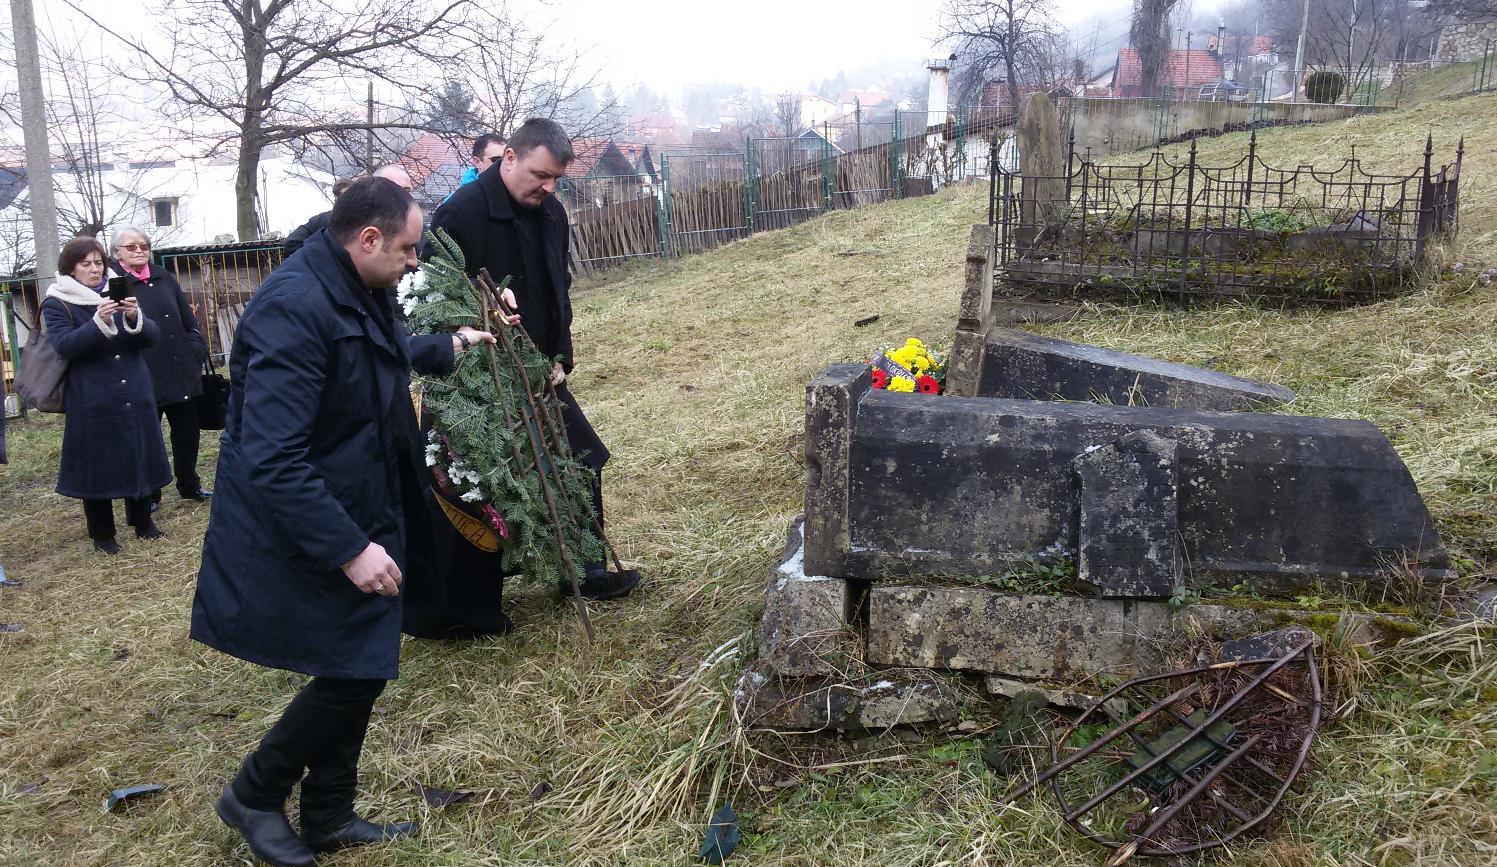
179	200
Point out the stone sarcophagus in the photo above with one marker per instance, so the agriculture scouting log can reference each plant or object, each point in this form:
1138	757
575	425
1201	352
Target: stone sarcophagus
904	484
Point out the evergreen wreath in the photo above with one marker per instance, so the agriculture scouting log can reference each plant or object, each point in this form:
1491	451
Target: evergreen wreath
488	417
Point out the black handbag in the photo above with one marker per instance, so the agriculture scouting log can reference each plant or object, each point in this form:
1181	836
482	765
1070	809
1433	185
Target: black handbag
213	403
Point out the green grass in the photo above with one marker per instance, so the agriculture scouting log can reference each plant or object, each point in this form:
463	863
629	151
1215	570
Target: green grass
693	372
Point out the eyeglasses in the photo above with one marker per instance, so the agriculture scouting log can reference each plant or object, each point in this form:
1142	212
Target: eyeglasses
136	248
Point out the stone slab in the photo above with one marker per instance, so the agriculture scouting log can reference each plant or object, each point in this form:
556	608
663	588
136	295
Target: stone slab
977	285
1007	687
828	704
908	484
804	630
1128	537
1024	366
1069	638
1269	645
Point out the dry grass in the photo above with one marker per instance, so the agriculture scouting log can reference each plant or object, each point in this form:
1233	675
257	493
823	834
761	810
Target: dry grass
693	372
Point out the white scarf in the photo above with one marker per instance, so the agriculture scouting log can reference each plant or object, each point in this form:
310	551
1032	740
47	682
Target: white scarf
70	290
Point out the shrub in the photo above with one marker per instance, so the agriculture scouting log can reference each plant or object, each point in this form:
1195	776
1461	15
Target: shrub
1324	86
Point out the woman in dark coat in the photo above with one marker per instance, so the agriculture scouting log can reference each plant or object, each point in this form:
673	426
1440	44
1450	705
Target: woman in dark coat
111	442
175	360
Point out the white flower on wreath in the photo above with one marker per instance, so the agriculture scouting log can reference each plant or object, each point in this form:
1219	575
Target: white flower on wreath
472	496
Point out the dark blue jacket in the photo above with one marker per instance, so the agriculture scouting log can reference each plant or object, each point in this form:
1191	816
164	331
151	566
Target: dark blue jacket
111	439
309	474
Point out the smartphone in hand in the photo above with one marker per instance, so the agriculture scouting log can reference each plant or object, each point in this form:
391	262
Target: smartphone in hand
119	289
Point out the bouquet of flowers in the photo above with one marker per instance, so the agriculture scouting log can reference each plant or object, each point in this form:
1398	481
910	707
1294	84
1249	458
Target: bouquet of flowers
913	367
486	419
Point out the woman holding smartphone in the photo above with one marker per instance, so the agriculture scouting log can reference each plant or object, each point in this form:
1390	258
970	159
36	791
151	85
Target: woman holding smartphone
111	442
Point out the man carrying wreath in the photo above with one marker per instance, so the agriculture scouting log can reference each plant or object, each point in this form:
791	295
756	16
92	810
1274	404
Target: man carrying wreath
509	222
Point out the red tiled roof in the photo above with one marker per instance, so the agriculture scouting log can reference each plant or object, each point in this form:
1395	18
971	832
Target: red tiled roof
431	152
1202	66
585	154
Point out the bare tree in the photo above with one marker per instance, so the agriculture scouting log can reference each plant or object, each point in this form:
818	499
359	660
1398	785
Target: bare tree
517	73
262	73
787	113
1150	35
83	115
1012	39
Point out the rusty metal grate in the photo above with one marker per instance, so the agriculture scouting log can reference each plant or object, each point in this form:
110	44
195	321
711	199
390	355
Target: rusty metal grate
1206	755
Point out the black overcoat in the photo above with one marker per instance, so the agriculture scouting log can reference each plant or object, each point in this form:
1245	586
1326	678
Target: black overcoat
176	359
111	439
309	472
480	217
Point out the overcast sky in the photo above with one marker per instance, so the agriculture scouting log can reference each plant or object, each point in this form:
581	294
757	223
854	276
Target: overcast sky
770	44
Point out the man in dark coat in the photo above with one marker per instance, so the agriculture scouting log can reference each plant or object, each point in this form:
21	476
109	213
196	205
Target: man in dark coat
175	359
509	222
319	505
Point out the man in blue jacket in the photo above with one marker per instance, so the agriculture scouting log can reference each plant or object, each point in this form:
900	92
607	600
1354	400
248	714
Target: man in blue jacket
319	505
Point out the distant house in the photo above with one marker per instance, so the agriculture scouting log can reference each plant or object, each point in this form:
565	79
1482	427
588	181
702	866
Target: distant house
601	172
814	145
816	110
995	94
640	160
436	163
1183	70
661	130
598	158
177	195
1244	58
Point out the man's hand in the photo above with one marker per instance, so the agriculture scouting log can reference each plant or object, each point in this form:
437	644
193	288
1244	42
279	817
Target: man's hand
558	375
508	296
474	336
374	572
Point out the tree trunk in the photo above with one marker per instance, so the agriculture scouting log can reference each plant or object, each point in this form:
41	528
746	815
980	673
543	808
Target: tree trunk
247	176
246	184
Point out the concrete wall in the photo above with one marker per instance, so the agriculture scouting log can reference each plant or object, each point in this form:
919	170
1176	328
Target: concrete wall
1109	126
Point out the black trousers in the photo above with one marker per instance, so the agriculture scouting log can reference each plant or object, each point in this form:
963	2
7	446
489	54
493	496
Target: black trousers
100	516
321	733
185	434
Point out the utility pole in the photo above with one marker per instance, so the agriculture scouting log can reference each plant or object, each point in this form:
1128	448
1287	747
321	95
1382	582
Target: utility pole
1187	66
857	121
1299	52
34	128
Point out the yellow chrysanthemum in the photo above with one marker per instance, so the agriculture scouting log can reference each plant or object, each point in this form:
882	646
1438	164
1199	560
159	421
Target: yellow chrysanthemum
900	383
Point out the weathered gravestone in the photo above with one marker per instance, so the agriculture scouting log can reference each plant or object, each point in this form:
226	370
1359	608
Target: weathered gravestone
904	484
1129	518
1042	166
990	361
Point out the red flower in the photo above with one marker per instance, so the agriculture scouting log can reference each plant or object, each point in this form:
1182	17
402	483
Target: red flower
496	521
926	384
880	378
443	483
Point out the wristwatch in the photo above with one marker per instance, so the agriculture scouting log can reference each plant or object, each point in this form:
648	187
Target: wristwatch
463	339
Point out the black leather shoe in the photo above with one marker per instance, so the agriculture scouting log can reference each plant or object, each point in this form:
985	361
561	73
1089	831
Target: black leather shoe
267	832
600	585
108	546
149	530
201	495
357	833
